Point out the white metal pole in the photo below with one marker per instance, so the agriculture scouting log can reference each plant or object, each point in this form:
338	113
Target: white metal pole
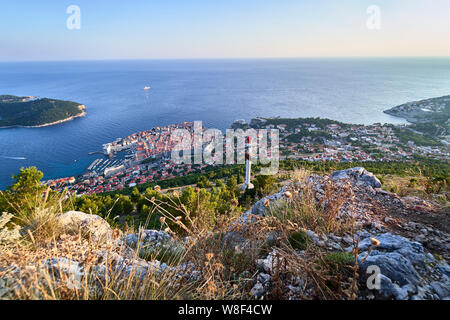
248	168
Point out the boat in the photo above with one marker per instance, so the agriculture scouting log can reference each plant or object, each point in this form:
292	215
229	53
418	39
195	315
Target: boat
147	88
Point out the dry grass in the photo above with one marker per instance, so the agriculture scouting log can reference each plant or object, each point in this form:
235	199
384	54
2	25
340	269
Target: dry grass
420	186
310	210
415	185
38	216
219	267
322	279
405	186
226	263
299	175
218	260
328	275
26	274
32	277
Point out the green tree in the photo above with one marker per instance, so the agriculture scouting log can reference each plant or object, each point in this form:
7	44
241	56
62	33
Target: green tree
28	181
122	206
232	184
88	205
264	184
203	182
135	195
24	193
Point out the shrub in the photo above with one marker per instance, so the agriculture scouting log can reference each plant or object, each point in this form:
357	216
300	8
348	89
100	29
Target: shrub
299	240
339	260
412	182
170	253
394	189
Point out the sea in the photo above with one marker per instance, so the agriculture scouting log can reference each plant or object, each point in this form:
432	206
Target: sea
217	92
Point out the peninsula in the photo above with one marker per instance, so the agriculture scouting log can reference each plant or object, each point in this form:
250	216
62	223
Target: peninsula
32	112
428	110
429	118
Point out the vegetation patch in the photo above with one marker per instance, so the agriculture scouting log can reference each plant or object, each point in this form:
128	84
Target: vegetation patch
28	111
339	260
299	240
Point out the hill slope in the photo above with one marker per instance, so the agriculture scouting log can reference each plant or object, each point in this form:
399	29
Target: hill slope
318	237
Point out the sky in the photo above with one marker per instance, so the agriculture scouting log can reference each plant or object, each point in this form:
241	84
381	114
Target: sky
194	29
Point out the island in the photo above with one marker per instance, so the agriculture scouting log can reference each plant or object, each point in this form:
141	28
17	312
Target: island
33	112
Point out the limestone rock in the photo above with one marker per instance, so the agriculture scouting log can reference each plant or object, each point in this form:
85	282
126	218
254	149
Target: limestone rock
357	175
260	209
153	238
257	290
88	224
407	271
66	271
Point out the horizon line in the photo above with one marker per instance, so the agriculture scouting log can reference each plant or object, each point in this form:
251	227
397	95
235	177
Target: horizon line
227	58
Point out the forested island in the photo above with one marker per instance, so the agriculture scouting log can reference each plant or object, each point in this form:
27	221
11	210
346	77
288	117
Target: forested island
37	112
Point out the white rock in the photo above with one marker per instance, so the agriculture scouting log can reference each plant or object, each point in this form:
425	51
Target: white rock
88	224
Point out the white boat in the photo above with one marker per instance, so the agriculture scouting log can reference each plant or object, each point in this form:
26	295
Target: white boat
147	88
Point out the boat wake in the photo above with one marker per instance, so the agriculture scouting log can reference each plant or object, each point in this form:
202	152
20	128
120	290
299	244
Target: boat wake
13	158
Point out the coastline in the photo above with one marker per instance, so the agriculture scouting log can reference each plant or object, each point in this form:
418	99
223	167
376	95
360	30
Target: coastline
422	111
82	114
405	117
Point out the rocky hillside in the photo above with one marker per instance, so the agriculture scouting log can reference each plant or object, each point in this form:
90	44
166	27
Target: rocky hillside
320	237
397	235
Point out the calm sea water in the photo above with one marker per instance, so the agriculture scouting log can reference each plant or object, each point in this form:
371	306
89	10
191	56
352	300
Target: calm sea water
214	91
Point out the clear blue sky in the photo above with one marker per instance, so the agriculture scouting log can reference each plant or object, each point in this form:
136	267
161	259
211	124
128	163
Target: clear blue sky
138	29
